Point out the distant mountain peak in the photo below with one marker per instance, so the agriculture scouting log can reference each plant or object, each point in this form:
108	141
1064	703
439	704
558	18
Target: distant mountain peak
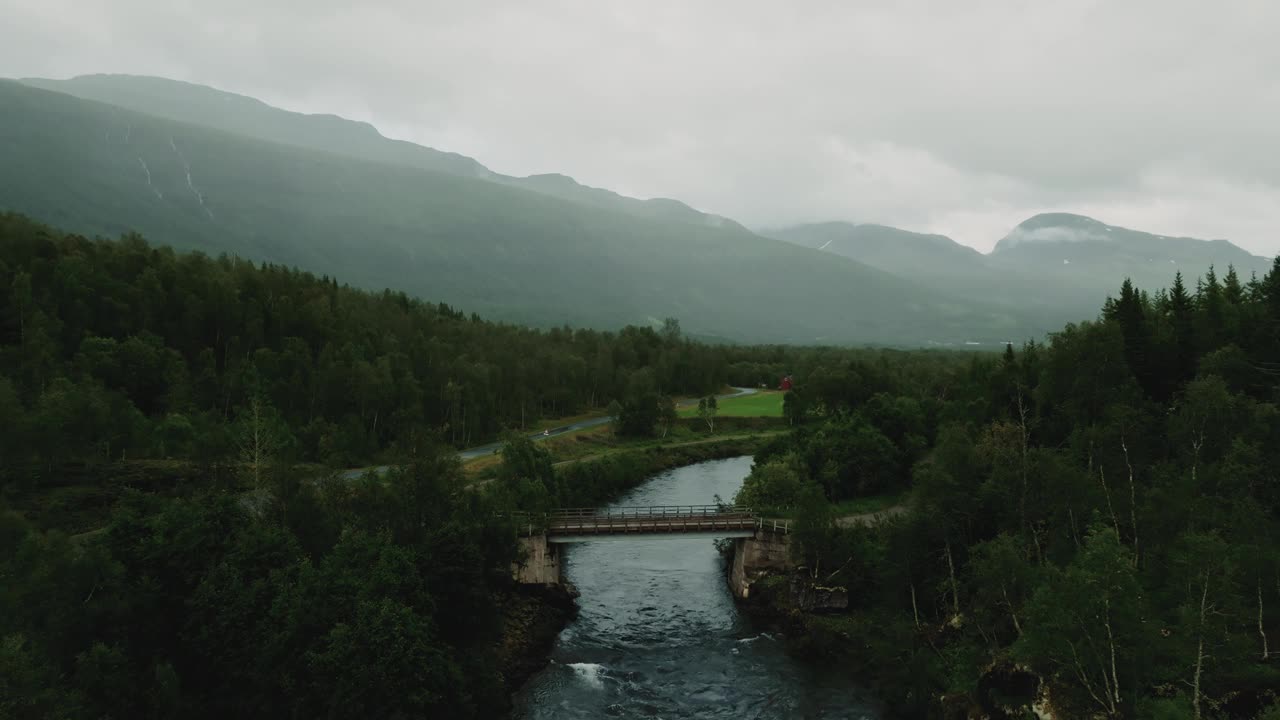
1050	228
1077	249
1059	228
1061	219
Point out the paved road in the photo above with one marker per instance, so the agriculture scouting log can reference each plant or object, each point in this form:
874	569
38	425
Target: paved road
491	448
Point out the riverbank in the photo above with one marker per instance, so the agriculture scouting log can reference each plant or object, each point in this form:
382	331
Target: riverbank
534	616
596	442
600	479
865	645
658	634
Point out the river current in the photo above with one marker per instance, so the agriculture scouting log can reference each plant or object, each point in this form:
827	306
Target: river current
659	636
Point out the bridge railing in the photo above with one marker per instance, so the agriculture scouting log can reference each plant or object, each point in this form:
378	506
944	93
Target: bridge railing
773	525
666	517
648	512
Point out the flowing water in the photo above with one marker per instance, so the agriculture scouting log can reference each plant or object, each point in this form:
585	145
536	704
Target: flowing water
659	636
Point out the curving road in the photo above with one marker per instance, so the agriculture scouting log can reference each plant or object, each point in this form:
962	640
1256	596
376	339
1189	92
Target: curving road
492	448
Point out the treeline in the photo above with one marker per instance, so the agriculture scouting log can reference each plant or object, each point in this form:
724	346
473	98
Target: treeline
1110	494
1100	514
370	598
117	349
264	590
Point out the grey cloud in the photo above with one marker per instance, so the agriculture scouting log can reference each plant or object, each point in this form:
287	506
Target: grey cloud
958	118
1052	234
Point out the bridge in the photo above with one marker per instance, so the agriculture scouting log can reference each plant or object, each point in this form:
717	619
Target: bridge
568	525
759	544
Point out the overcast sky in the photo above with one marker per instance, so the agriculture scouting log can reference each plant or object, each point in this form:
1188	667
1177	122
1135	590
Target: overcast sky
961	118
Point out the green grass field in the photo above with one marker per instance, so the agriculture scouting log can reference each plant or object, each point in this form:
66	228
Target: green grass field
763	404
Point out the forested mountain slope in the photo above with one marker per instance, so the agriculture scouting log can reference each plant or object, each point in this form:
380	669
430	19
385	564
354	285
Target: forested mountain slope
888	248
936	260
120	349
1089	527
1110	493
511	254
202	105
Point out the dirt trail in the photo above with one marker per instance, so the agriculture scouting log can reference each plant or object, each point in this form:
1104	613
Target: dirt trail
871	518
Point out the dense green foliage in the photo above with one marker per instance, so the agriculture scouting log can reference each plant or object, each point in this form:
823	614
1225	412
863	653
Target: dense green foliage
267	588
373	598
1103	510
485	246
114	349
1113	491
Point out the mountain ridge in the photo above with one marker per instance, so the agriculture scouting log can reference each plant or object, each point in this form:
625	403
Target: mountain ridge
212	107
506	252
1054	265
446	227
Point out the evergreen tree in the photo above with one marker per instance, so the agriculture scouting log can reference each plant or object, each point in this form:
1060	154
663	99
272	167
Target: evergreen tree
1183	334
1130	314
1232	290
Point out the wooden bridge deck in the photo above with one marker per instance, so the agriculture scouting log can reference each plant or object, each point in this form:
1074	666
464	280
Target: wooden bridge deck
575	524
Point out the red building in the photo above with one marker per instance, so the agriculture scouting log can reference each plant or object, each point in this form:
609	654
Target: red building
786	383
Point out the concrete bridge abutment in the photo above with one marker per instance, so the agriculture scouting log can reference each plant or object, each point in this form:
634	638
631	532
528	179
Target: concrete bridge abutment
765	553
539	563
760	547
755	557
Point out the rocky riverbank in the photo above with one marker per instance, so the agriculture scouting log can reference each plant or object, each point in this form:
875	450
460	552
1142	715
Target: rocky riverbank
532	618
818	626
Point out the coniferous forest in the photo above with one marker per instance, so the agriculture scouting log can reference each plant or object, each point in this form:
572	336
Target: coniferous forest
174	544
1091	524
1096	515
156	354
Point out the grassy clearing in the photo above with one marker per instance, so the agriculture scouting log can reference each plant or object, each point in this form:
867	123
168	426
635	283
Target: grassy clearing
599	442
761	404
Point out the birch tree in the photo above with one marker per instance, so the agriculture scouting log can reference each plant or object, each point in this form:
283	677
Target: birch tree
707	411
1207	571
260	436
1001	577
1084	623
667	415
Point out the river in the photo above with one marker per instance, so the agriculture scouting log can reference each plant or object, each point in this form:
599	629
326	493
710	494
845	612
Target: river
659	636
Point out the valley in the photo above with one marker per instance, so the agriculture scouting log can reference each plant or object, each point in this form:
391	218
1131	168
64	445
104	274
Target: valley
294	414
487	247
